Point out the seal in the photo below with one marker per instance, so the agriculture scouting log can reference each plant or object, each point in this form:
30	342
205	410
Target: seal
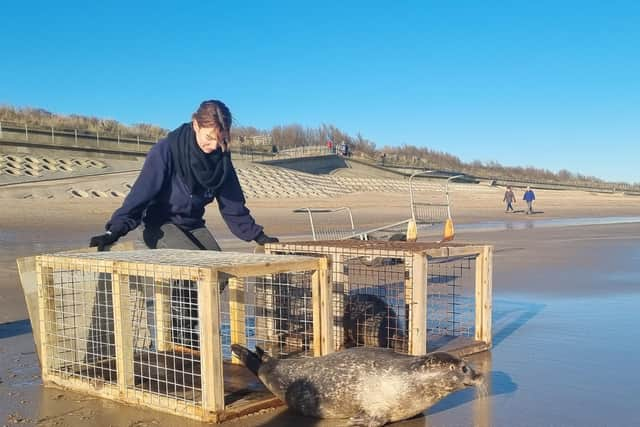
369	386
370	322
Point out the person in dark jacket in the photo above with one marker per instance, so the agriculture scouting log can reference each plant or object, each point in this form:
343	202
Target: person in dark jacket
181	175
529	197
510	198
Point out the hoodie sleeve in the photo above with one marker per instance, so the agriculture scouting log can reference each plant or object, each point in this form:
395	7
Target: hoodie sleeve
149	183
236	215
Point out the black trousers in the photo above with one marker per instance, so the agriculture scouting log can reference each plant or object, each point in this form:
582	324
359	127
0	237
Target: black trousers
170	236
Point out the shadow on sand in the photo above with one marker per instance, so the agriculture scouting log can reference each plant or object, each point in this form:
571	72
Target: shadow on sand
522	211
13	329
498	382
301	394
509	316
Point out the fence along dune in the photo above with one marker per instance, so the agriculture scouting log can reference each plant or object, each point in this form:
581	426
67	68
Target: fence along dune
75	128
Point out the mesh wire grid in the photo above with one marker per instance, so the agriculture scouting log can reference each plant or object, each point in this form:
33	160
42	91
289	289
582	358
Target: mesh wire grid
81	333
78	321
373	292
158	309
450	299
164	333
274	312
371	295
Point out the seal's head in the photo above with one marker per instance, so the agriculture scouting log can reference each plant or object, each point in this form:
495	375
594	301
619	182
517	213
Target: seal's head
447	372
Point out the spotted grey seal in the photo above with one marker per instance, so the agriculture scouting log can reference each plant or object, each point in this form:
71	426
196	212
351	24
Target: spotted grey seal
370	322
369	386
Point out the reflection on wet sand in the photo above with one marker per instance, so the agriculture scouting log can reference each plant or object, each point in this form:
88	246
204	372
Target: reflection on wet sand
530	224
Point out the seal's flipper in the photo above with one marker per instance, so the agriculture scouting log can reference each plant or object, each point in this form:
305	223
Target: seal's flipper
262	355
362	419
248	358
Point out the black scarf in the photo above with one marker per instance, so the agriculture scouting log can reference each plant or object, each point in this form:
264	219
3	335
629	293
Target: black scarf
199	171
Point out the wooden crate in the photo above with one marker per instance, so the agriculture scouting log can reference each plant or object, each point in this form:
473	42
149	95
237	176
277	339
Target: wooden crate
411	296
153	327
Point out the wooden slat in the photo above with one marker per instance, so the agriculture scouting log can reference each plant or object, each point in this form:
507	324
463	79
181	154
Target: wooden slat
162	304
44	277
29	282
341	282
418	309
487	299
483	292
210	342
241	408
269	268
447	251
122	332
326	306
480	265
237	313
316	300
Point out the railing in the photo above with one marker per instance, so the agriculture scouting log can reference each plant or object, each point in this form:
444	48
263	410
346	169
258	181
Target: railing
543	184
22	133
81	139
517	181
75	138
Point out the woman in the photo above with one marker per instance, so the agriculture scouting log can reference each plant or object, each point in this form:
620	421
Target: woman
181	175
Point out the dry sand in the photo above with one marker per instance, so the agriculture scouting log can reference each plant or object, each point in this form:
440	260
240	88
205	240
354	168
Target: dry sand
539	272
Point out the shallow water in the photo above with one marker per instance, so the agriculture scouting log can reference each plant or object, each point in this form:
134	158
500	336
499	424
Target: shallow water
522	222
565	361
566	344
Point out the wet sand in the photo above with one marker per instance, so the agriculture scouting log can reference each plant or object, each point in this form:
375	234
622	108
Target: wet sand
565	311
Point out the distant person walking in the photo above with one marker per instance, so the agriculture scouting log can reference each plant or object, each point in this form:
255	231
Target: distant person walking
330	146
344	149
529	197
509	198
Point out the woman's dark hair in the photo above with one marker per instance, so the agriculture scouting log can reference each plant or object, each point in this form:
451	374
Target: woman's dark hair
213	114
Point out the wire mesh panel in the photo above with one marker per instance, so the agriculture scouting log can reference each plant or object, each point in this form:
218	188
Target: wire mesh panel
274	312
430	212
374	297
403	295
451	306
164	334
329	224
430	207
79	324
154	327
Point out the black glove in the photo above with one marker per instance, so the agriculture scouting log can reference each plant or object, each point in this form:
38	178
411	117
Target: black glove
263	238
103	240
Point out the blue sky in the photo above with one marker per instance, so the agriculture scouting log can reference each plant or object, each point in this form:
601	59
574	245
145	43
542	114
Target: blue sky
550	84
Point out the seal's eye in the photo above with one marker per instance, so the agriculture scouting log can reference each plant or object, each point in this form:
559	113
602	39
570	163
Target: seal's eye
465	369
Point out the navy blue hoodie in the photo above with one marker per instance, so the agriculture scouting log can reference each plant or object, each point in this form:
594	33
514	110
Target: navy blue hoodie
159	196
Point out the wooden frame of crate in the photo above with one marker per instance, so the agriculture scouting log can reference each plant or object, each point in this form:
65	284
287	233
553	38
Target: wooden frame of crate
407	273
100	334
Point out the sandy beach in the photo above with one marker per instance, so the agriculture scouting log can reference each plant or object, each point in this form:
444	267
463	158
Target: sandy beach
566	291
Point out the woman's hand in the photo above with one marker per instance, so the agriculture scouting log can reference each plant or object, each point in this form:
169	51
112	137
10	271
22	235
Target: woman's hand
263	239
103	240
